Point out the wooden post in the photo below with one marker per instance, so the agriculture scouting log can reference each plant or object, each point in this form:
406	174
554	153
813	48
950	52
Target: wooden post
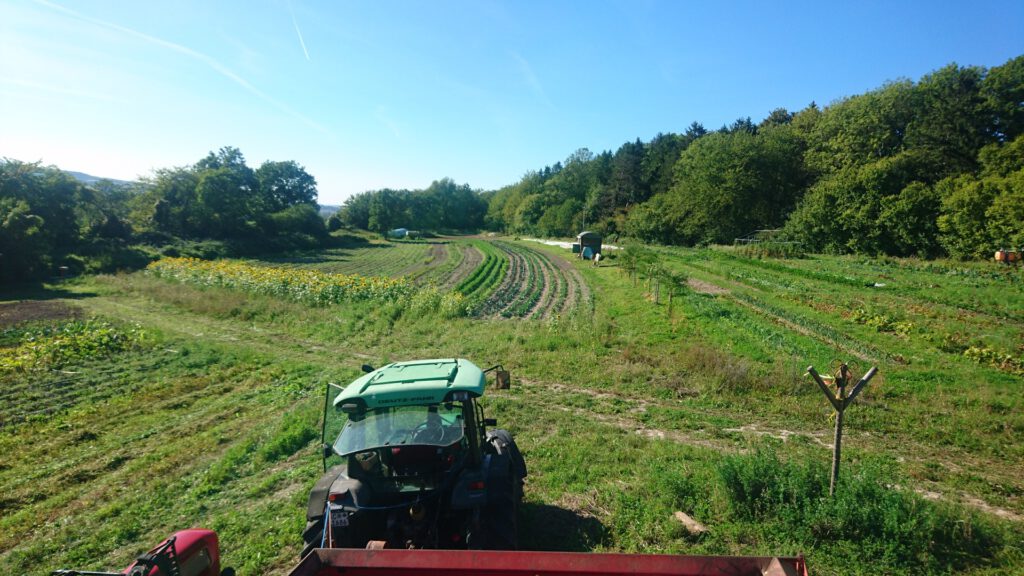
840	402
837	442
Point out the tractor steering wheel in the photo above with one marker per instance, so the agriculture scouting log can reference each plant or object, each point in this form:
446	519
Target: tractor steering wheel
425	433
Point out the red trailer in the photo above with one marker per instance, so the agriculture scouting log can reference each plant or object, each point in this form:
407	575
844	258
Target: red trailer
355	562
195	553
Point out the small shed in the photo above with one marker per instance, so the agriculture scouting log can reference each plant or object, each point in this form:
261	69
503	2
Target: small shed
589	243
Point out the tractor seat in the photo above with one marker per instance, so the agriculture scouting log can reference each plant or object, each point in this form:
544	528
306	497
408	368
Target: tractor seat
417	459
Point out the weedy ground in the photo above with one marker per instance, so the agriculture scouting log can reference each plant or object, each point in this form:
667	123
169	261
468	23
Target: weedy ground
626	414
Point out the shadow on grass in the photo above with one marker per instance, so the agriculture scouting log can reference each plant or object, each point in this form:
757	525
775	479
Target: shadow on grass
553	529
338	253
42	291
330	254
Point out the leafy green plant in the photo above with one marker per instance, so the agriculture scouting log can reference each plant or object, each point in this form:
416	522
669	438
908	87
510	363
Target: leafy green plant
56	346
1001	360
881	322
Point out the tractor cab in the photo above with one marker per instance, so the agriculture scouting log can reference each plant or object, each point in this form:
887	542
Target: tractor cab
409	462
405	408
409	445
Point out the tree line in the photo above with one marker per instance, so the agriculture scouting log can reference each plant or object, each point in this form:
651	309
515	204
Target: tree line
444	205
927	168
217	206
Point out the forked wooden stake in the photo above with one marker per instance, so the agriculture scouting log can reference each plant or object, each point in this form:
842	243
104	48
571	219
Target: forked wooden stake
840	401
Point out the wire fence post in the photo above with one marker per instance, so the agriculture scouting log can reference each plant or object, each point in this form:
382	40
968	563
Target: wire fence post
840	401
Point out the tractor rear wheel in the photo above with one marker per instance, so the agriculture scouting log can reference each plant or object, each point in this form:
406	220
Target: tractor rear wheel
312	535
499	517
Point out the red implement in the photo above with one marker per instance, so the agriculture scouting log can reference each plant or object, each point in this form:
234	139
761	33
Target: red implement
356	562
194	552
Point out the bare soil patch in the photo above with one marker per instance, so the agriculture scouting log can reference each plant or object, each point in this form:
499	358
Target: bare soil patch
437	255
471	258
35	310
703	287
781	434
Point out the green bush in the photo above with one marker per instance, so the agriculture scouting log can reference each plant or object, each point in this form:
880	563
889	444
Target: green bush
869	513
771	250
432	300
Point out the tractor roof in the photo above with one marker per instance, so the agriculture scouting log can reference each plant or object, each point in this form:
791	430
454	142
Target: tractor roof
417	382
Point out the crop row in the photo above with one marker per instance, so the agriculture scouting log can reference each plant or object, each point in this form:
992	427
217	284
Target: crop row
534	287
459	255
506	292
892	308
478	285
907	312
436	261
465	261
522	294
306	286
815	329
34	398
556	288
386	259
979	290
783	288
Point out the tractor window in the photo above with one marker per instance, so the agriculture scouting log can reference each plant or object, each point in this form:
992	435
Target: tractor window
438	425
334	421
197	565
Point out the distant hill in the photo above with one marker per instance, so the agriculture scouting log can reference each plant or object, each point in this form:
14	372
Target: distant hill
327	210
90	179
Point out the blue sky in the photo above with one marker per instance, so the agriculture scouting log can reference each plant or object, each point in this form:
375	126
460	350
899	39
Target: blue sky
377	94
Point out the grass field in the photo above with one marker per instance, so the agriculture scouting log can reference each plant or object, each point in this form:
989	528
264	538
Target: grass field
190	406
435	261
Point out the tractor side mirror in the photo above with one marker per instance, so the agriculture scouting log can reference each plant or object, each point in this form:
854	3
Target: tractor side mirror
367	368
502	380
490	421
326	450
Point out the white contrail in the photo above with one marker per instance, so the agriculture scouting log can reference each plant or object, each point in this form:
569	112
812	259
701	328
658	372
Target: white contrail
209	61
530	77
299	32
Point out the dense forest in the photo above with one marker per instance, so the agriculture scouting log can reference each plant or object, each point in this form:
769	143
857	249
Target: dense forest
218	206
927	168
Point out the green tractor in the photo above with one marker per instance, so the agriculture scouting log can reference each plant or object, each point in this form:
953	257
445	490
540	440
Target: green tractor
409	462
